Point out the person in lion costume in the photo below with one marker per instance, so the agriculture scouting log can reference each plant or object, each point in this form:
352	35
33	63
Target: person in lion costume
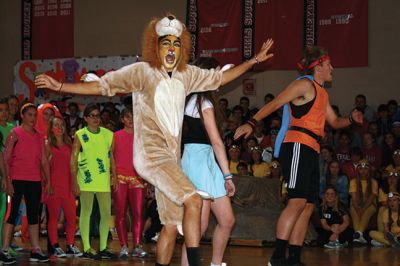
159	86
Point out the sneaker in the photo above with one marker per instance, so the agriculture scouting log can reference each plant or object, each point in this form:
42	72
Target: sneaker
38	256
6	259
139	252
377	244
73	251
392	240
333	245
16	247
90	254
124	253
359	238
18	234
156	237
105	254
12	252
277	262
59	253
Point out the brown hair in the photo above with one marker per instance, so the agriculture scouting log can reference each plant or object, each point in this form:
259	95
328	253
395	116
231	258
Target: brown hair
52	137
311	54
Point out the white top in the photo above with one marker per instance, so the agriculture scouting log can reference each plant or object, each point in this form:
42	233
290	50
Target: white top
191	108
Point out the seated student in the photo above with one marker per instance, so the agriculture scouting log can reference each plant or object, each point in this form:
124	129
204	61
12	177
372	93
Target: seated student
276	172
242	169
391	220
335	221
390	184
363	191
257	167
395	166
233	158
335	178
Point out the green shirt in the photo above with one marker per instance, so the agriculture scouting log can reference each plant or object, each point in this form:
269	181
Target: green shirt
4	131
94	160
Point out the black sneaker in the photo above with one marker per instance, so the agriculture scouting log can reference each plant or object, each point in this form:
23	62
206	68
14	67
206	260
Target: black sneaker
73	251
38	256
107	255
277	262
90	254
6	259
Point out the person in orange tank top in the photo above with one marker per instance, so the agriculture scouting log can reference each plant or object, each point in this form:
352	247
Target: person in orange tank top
309	108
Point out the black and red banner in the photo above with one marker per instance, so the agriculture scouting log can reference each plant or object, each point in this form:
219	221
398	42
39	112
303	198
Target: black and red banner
232	31
47	29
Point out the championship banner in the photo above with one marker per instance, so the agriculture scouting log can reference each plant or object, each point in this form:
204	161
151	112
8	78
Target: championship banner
342	28
216	28
47	29
66	70
283	21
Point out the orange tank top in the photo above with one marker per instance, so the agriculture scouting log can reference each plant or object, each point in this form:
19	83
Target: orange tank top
314	121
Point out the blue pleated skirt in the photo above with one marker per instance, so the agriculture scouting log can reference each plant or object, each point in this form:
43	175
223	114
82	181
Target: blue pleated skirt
198	163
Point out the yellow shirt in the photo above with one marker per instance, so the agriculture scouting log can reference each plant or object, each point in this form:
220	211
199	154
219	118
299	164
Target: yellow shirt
395	229
260	170
353	186
233	167
391	168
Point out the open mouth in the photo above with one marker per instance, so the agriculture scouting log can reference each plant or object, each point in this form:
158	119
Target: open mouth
170	58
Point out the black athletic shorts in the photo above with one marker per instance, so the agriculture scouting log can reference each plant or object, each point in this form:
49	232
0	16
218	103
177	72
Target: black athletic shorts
300	168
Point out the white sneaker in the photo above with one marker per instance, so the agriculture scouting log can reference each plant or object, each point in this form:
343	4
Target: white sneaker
139	252
124	253
156	237
359	238
377	244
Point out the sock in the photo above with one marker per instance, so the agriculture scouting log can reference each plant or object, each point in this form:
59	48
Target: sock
294	254
280	249
193	254
159	264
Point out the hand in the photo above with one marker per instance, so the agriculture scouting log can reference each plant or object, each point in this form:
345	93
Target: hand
263	54
243	130
10	188
230	187
114	185
75	190
46	82
357	116
48	189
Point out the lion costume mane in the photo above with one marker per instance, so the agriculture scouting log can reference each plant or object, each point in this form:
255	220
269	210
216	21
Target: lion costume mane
158	100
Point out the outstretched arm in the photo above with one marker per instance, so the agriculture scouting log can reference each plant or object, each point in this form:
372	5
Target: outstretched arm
262	56
88	88
295	89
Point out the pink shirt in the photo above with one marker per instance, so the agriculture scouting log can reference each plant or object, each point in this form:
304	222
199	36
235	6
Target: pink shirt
123	153
27	155
60	174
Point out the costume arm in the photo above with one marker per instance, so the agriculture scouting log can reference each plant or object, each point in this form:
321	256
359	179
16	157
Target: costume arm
123	80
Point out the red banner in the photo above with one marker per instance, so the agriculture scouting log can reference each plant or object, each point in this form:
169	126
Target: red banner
220	30
283	21
342	28
48	29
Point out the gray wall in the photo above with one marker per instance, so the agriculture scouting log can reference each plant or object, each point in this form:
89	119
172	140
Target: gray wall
104	27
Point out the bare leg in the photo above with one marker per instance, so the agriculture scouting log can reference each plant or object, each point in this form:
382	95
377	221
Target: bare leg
191	220
205	215
8	230
166	244
222	210
33	230
300	228
289	217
